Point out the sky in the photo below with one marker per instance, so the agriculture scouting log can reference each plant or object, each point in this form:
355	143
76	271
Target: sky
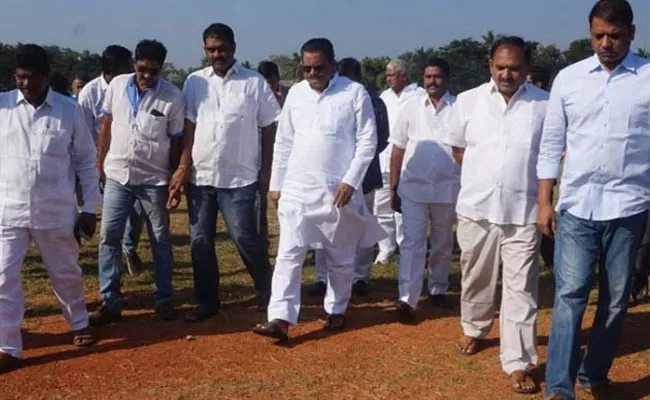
358	28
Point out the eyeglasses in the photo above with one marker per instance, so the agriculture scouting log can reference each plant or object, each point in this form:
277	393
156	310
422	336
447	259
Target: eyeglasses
308	68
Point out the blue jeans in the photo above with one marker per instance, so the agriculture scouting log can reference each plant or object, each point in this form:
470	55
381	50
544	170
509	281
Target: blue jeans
238	208
118	203
134	225
578	245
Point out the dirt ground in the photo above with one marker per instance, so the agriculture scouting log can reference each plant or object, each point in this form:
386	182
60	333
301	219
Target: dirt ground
376	357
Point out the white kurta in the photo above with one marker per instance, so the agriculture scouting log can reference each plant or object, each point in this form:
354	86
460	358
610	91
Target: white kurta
323	140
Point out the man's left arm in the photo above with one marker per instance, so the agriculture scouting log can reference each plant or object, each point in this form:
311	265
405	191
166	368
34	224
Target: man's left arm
83	157
268	113
366	144
179	154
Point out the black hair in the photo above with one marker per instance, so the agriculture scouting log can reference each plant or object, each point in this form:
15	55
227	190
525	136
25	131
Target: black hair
151	50
319	45
440	63
81	77
268	69
221	31
514	41
541	75
59	83
349	67
617	12
33	58
114	58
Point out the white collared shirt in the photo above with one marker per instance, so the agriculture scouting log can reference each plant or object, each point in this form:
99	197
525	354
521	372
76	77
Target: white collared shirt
142	130
501	141
228	112
394	105
41	151
91	100
429	172
326	137
603	120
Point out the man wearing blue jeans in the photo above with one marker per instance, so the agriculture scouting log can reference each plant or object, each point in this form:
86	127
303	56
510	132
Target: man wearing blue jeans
228	107
143	117
599	109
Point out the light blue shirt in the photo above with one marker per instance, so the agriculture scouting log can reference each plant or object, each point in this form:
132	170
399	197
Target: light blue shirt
603	121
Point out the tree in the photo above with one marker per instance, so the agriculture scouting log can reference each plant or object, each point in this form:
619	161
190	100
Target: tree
550	59
373	71
468	60
578	50
489	38
643	52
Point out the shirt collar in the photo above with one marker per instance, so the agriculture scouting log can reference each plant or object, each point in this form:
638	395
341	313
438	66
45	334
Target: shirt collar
132	84
49	98
629	63
494	89
103	83
234	69
444	100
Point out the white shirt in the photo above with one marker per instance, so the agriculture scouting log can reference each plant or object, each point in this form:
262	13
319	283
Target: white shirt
603	120
142	130
501	141
394	105
322	140
228	112
429	172
91	100
41	151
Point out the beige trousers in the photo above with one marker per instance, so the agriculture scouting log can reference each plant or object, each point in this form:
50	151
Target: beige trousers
483	246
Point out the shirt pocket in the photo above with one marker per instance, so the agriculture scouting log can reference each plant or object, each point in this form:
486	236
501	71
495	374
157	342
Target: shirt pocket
154	127
234	109
332	118
55	143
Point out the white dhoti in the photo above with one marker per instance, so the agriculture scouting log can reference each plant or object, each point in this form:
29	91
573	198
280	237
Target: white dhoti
308	219
483	245
60	252
362	261
417	217
389	220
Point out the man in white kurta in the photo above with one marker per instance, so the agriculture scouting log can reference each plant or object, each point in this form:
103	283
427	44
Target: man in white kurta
398	94
495	134
44	144
427	180
325	142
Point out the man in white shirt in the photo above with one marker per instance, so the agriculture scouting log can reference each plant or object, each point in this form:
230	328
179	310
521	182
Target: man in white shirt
44	144
427	180
140	137
227	106
598	110
116	60
398	93
326	141
495	135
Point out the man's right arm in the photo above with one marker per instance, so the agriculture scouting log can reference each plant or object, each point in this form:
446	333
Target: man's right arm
281	151
551	147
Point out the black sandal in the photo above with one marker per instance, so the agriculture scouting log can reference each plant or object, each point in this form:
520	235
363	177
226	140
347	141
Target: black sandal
335	322
271	329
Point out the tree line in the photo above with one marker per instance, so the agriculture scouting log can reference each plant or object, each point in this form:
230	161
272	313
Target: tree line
467	57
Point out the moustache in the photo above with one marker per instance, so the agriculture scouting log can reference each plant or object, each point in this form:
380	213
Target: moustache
433	86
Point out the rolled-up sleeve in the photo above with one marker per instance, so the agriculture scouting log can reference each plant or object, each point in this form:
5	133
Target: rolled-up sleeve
554	134
83	157
176	117
269	108
399	135
191	110
456	135
366	140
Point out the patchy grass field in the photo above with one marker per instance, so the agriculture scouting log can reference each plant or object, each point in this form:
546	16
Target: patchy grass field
375	358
